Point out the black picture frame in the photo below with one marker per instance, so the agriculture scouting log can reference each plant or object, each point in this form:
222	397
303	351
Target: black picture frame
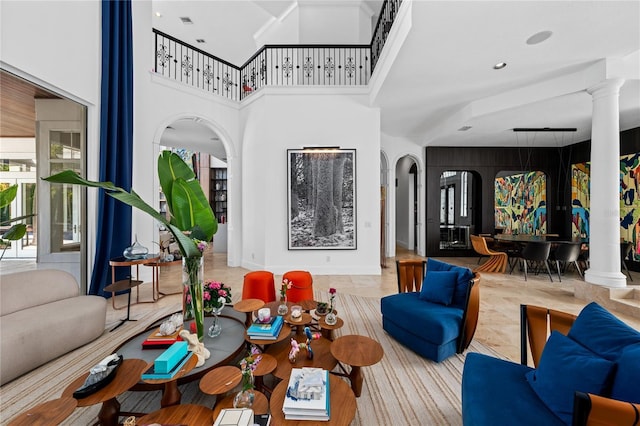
321	199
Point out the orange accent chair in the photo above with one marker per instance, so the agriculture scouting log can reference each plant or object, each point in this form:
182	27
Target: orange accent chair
259	285
301	287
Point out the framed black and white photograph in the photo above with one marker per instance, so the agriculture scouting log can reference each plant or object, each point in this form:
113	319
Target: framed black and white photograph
322	198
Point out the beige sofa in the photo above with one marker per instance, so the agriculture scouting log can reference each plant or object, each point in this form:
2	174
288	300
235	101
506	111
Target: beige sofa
43	316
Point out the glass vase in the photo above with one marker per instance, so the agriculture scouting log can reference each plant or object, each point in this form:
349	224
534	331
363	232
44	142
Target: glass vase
282	307
216	328
192	301
245	398
331	318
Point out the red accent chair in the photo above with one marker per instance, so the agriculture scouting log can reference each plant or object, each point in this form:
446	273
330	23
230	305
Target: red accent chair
302	287
259	285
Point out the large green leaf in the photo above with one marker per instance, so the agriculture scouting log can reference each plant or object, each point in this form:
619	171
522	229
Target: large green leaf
16	232
8	195
192	209
170	168
187	246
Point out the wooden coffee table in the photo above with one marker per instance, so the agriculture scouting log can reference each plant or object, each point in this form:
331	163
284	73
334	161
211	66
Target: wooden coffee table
342	402
187	414
322	357
48	413
127	376
356	351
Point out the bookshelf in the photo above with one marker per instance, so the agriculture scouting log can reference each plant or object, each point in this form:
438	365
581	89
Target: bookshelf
218	194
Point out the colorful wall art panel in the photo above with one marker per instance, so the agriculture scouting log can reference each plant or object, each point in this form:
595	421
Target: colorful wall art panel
580	200
629	202
521	203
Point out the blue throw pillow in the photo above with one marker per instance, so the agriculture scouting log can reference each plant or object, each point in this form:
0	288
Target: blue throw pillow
438	287
464	277
598	330
627	378
566	367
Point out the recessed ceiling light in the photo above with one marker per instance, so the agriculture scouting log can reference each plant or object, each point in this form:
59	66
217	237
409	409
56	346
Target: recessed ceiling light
539	37
200	40
499	65
159	15
186	20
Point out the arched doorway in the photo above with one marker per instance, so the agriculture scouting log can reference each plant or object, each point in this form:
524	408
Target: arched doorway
409	205
198	143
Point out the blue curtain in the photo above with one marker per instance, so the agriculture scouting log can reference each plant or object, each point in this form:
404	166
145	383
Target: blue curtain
116	140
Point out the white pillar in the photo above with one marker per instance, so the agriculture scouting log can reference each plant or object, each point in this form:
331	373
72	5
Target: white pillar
604	219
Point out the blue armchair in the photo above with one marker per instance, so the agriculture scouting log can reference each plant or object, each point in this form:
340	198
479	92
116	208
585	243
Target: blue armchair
435	316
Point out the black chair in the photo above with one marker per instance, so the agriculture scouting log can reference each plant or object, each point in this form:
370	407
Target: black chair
567	253
625	250
536	252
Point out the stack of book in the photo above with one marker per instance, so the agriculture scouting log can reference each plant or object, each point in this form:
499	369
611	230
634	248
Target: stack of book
307	395
156	340
265	330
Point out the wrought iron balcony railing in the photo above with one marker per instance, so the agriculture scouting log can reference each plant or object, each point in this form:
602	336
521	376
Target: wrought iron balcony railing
274	65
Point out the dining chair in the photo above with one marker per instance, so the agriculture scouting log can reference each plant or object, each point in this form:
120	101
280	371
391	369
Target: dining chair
567	253
626	247
497	260
536	252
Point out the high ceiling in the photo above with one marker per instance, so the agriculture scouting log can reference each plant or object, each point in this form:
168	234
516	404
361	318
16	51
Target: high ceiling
442	78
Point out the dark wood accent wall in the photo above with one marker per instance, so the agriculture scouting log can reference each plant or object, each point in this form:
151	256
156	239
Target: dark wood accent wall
486	163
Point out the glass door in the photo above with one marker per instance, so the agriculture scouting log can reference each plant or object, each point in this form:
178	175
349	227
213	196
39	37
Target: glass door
24	204
61	147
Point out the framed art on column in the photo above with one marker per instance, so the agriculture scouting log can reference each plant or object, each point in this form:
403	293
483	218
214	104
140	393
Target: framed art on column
321	195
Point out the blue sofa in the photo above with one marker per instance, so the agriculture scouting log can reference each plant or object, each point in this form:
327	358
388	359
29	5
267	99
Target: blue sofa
598	357
435	329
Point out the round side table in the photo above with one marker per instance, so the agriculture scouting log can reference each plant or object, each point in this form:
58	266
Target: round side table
341	399
248	306
356	351
127	376
48	413
221	380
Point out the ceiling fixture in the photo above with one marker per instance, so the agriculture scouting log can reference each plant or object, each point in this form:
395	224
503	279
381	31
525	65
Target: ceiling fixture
499	65
200	40
186	20
539	37
464	128
544	129
158	14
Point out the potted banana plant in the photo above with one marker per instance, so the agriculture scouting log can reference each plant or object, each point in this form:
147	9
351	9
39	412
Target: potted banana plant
191	221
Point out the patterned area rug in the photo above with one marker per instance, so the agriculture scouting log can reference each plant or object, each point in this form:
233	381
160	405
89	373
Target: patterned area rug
403	389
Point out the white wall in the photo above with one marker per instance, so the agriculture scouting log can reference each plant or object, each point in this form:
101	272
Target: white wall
395	148
57	44
276	122
349	23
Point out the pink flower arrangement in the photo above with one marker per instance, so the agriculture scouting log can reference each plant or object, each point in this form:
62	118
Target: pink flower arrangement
286	284
215	295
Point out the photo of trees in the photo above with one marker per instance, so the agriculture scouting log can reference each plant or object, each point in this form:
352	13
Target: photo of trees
322	199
